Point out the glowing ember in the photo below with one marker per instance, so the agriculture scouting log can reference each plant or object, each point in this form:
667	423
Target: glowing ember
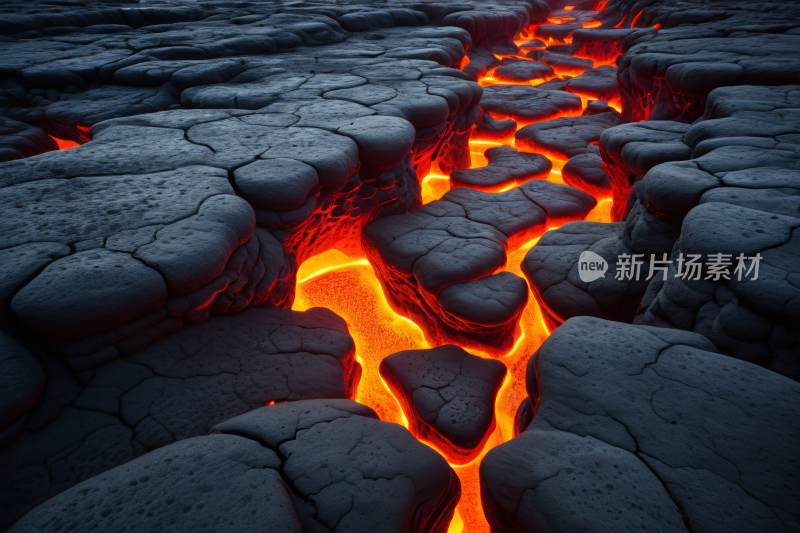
63	144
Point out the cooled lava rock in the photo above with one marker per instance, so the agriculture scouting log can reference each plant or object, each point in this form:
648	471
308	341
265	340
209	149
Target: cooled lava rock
19	140
585	172
90	421
437	265
489	129
313	465
21	383
747	314
563	64
507	167
598	83
566	137
523	71
526	105
630	150
447	395
642	427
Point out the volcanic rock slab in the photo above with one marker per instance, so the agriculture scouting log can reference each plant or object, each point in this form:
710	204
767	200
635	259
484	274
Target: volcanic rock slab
740	44
596	84
630	150
585	172
19	140
748	314
522	71
448	396
507	167
489	129
314	465
565	137
22	381
642	427
88	422
563	64
527	105
438	264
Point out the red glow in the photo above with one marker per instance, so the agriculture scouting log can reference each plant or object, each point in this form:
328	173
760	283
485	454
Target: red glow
633	24
657	26
63	144
347	284
569	8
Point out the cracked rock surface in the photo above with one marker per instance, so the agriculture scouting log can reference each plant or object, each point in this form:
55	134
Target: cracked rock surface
87	423
507	167
642	427
436	263
526	105
448	395
312	465
566	137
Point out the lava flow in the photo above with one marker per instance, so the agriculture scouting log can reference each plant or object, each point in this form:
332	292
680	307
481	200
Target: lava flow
348	286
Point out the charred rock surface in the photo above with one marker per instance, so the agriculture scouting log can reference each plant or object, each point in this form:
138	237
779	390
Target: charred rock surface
642	427
88	422
313	465
438	264
507	167
448	396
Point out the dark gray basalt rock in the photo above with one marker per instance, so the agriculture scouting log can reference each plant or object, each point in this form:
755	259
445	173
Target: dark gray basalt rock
566	137
314	465
522	71
563	64
527	105
642	427
22	382
19	140
448	396
507	167
436	263
90	421
585	172
630	150
740	43
747	316
489	129
598	83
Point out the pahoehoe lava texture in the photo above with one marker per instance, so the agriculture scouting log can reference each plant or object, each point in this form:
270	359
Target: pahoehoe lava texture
438	263
152	377
447	395
311	465
89	422
646	428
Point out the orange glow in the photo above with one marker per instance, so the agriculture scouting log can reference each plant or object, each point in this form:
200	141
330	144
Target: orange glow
350	289
433	187
657	26
552	19
591	24
63	144
348	286
633	23
569	8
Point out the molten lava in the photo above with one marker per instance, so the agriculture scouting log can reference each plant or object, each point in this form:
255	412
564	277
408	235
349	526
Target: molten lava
349	287
63	144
